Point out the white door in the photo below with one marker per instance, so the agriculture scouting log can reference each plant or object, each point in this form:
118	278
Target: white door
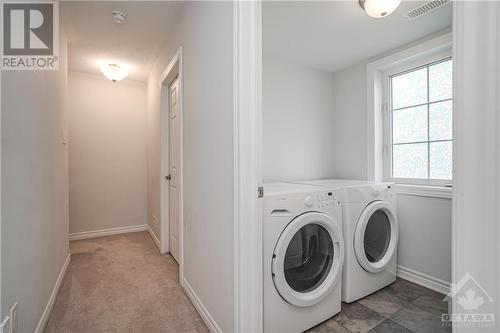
174	162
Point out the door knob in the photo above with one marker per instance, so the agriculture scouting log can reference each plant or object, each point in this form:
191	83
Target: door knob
168	177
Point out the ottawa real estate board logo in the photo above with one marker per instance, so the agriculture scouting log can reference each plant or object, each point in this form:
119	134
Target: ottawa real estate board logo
475	308
30	35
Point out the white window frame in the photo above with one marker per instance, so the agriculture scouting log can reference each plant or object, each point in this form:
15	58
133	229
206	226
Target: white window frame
387	119
438	47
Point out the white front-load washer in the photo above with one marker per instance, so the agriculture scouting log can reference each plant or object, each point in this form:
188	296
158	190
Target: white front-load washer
371	233
303	254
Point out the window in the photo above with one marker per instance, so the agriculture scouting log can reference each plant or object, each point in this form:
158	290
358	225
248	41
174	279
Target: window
419	124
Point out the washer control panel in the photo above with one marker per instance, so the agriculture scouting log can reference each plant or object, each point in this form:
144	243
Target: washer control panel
321	200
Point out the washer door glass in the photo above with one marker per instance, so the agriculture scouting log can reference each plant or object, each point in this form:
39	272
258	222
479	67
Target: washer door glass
377	236
308	258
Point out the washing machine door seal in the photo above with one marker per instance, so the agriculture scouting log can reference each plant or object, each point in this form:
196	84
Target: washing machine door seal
376	236
307	259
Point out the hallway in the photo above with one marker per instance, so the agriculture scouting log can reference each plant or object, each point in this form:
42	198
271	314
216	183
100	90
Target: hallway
122	284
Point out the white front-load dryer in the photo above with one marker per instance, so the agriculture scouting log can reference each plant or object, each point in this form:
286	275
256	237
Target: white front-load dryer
371	233
303	255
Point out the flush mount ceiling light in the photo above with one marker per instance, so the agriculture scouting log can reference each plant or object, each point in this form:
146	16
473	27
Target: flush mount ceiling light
114	72
379	8
118	17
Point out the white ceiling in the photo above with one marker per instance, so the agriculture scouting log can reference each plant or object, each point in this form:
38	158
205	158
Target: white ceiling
94	38
332	35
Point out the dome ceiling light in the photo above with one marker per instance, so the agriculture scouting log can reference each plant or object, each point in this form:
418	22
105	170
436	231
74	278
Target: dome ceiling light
379	8
114	72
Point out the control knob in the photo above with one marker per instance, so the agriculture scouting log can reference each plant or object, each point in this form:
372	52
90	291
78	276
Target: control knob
309	201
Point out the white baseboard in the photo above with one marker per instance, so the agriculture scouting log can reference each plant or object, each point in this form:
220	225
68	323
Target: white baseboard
202	310
424	280
153	236
106	232
48	309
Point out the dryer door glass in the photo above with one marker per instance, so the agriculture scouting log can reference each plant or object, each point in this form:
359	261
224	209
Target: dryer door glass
377	236
308	258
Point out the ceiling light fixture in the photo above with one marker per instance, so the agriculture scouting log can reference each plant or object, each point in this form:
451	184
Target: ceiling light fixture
114	72
118	17
379	8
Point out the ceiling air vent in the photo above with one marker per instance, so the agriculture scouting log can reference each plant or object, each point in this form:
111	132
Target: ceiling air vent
426	8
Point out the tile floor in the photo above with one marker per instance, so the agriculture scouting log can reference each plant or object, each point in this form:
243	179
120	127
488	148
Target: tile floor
401	307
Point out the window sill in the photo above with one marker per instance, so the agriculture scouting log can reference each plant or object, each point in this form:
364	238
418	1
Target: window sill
424	190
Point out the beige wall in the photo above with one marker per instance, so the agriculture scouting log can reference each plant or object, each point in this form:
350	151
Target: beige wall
107	153
205	32
34	189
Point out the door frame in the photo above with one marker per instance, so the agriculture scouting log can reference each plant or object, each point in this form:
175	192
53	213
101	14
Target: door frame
476	156
247	146
173	69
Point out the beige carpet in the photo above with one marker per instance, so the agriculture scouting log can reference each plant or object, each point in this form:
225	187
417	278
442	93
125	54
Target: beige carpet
122	284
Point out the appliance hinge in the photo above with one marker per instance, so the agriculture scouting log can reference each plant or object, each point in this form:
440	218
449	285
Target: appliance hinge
260	191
